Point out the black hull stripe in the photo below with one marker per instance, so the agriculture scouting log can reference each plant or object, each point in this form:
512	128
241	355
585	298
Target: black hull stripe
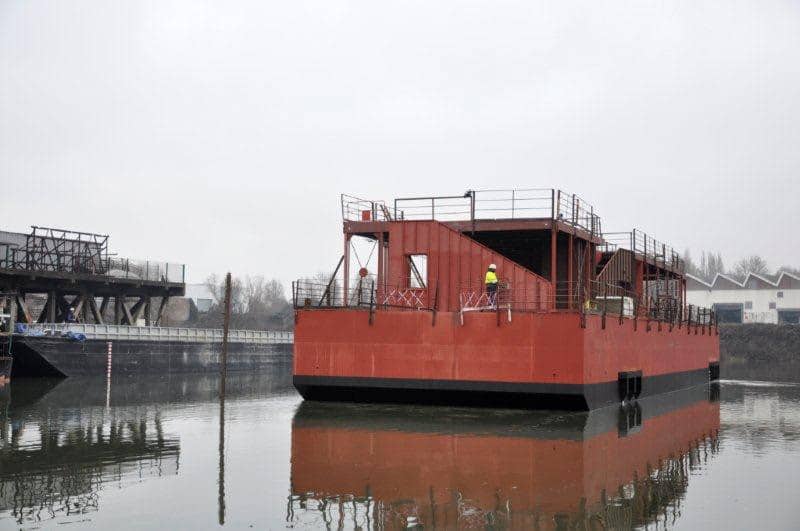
489	394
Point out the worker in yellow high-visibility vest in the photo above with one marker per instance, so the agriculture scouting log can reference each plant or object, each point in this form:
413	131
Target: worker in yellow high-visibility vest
491	284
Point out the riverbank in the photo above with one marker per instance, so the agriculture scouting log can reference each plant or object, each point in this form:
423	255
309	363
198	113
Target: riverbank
760	352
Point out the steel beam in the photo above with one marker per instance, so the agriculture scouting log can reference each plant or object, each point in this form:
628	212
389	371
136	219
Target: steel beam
160	314
23	310
96	312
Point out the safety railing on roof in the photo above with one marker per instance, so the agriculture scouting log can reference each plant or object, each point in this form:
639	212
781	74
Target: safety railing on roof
645	248
160	333
531	203
357	209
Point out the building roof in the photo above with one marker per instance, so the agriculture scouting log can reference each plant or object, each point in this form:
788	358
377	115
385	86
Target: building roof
198	291
785	280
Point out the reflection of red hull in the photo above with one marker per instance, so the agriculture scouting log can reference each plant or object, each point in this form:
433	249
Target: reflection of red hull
409	355
433	475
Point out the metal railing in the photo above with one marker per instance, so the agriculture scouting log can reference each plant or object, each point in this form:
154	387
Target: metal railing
357	209
645	247
112	266
161	333
595	298
441	208
312	294
474	296
601	298
527	203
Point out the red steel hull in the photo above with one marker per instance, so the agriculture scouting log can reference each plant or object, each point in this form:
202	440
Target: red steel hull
537	359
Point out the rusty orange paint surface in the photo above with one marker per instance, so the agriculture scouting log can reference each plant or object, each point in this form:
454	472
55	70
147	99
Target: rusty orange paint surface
455	262
547	347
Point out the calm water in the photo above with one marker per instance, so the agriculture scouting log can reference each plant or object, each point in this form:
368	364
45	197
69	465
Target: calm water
130	455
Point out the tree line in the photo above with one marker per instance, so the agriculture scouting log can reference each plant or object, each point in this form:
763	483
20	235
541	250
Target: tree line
256	304
710	264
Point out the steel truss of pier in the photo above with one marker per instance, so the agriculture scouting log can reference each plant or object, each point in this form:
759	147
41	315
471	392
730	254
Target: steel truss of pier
49	272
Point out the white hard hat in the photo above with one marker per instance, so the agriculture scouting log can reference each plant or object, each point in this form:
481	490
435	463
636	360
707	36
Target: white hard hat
492	266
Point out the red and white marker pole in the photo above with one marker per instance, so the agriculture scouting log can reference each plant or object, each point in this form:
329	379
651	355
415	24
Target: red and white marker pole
108	368
108	376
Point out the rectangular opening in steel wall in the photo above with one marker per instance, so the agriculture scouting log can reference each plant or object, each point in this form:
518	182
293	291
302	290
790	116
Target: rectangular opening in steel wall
418	271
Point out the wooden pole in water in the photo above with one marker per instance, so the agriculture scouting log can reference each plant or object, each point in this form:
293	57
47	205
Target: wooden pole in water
223	370
225	327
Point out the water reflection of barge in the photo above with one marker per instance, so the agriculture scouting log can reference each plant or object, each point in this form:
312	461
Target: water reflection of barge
388	466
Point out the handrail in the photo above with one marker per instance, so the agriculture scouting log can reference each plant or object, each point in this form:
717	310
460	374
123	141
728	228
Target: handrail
645	247
20	259
163	333
312	294
524	203
356	209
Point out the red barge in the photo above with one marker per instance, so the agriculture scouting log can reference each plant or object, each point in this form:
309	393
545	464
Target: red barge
582	318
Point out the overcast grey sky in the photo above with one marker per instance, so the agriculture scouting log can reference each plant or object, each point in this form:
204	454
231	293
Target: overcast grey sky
220	134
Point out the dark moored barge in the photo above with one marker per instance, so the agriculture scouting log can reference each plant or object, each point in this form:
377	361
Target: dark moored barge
88	349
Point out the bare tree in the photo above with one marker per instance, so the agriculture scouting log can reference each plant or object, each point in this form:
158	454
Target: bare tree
710	265
751	264
256	304
691	267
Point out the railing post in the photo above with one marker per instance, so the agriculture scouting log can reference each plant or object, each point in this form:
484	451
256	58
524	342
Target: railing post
574	211
605	305
372	304
703	321
558	203
435	304
472	208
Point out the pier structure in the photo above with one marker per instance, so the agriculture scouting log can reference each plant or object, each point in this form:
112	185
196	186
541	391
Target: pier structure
49	273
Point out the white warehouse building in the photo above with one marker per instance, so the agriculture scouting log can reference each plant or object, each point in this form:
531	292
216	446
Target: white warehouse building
756	300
